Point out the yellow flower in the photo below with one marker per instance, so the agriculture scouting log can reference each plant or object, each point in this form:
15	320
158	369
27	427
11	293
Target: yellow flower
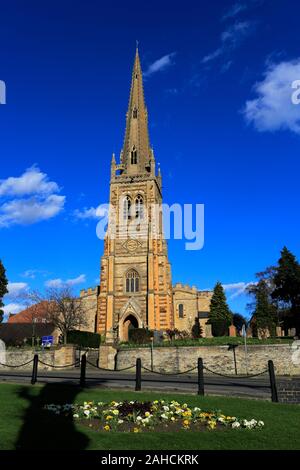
108	417
186	422
136	430
147	414
106	428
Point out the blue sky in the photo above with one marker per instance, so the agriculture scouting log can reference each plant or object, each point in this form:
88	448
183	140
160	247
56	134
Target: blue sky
221	121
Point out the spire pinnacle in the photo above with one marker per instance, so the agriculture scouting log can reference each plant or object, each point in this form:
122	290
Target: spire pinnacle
136	153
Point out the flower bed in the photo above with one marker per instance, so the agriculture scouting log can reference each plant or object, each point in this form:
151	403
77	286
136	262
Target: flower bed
159	415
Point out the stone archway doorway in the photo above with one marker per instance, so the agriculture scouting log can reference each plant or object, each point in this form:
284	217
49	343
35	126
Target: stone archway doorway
129	323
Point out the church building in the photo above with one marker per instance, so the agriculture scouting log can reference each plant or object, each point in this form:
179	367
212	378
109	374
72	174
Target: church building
136	289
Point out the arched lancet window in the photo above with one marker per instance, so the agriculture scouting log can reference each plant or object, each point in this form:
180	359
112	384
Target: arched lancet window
126	208
139	207
132	281
133	156
134	113
180	310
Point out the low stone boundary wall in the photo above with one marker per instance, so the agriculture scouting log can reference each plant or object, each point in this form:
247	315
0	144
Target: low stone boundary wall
289	391
286	358
57	357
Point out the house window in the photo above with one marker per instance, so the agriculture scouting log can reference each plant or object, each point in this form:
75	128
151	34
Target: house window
132	281
180	310
139	207
126	208
133	156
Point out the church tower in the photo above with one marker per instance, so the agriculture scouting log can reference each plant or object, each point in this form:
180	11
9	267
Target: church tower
135	278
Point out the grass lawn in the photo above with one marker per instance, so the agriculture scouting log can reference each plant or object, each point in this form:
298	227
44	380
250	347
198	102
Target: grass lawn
215	341
23	425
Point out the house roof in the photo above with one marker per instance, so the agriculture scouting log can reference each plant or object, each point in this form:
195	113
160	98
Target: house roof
35	313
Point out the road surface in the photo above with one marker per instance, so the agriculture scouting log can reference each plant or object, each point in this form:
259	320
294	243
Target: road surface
258	387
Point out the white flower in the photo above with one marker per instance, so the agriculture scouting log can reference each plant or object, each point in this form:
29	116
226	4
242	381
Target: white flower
164	416
120	421
76	415
236	424
166	408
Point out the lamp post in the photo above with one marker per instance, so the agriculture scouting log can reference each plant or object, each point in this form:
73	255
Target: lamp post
151	346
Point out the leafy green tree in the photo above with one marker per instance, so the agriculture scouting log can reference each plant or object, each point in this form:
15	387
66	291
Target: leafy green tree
265	313
3	288
220	315
239	320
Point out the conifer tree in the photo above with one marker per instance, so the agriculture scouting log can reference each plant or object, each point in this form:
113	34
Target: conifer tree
219	310
3	288
265	314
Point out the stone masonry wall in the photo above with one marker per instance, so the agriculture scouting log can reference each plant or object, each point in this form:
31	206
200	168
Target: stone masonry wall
286	358
58	357
289	391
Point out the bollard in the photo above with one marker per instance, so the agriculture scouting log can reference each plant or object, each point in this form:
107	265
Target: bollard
273	386
200	377
83	370
138	375
34	369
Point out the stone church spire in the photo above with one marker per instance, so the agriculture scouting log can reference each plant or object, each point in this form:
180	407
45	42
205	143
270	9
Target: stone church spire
137	156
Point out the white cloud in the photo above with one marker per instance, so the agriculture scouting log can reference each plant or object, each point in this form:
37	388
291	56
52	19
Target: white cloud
32	273
234	10
273	108
231	38
30	211
160	64
236	289
59	283
92	212
33	181
41	202
16	288
12	308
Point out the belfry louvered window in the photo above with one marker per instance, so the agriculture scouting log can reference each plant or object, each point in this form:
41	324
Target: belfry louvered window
139	207
133	156
132	281
126	208
134	113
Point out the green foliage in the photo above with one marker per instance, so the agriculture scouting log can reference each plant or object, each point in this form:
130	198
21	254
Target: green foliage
140	335
287	287
265	313
85	339
220	315
238	321
3	288
197	330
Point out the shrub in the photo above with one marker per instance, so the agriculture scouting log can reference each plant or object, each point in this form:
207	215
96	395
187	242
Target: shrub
220	327
140	335
85	339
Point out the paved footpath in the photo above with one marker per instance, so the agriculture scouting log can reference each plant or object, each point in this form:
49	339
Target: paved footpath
258	387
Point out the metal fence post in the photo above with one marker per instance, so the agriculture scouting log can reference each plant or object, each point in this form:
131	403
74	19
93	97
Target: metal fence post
200	377
83	370
34	369
273	386
138	375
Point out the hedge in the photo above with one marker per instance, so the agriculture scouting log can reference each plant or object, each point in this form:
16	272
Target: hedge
140	335
85	339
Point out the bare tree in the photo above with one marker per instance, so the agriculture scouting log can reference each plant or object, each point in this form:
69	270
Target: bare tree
61	308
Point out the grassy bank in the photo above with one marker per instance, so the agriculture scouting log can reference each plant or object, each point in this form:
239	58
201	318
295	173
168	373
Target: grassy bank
24	425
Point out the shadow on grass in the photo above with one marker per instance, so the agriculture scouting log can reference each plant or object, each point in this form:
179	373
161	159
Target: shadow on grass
44	430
